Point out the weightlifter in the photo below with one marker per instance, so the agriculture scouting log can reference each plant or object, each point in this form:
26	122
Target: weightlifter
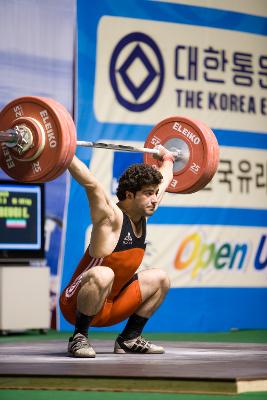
105	288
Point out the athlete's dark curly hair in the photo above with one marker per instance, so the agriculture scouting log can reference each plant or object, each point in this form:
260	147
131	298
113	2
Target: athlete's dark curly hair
137	176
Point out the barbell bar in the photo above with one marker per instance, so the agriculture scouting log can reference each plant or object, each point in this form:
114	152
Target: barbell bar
38	141
121	147
13	137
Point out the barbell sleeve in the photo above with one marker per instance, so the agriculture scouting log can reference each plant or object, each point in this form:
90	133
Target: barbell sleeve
9	136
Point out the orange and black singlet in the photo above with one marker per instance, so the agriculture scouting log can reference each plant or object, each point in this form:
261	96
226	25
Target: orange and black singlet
124	260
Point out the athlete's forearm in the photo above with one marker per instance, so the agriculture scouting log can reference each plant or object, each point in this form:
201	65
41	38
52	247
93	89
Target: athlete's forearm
166	171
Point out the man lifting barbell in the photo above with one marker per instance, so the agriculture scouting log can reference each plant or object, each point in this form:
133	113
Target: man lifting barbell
181	156
105	288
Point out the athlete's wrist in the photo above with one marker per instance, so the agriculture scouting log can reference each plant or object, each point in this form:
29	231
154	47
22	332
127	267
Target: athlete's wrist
168	157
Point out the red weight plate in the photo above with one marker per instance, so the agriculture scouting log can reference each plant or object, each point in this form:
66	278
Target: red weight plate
214	157
53	127
190	137
70	136
216	154
72	132
212	162
59	167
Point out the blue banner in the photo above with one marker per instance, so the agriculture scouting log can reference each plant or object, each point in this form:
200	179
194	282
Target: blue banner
138	63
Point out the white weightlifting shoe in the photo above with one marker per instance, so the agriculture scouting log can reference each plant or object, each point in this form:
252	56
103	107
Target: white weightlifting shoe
80	347
135	346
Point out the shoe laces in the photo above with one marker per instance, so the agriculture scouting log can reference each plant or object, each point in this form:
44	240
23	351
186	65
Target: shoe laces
139	344
79	342
142	341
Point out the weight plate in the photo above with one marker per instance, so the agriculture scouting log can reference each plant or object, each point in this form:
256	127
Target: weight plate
70	136
194	166
55	147
213	159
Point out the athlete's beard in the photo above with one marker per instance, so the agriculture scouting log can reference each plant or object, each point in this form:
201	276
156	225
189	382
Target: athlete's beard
150	212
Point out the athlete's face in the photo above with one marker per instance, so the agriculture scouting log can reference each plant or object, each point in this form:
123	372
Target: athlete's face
145	200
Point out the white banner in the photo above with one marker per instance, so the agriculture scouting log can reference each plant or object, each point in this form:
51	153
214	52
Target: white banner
140	62
208	256
153	69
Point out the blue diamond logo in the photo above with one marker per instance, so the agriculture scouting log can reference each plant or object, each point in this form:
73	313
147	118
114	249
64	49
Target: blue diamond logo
137	54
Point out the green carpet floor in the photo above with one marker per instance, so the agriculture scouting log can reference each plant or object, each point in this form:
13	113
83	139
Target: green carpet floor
68	395
238	336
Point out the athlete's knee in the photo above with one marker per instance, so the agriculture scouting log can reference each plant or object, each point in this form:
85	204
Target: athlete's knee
162	279
102	277
153	280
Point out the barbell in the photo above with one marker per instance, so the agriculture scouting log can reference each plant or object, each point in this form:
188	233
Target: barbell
38	142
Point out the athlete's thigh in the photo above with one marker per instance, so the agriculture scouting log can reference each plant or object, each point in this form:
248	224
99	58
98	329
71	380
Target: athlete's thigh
125	304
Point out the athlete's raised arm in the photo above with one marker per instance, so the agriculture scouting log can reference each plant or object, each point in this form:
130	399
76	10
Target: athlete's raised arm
101	206
166	170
